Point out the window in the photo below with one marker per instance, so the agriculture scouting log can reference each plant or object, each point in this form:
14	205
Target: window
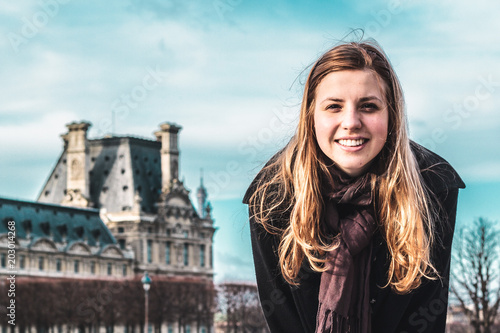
188	329
3	260
211	257
169	232
203	329
186	254
170	329
122	243
167	253
92	267
186	234
22	261
120	230
202	255
58	264
40	263
76	266
150	257
110	268
124	270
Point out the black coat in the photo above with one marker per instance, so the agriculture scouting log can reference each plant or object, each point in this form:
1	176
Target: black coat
290	309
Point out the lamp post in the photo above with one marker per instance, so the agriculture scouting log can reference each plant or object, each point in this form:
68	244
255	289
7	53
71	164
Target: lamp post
146	283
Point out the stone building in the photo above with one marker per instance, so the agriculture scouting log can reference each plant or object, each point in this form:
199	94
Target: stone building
135	184
112	207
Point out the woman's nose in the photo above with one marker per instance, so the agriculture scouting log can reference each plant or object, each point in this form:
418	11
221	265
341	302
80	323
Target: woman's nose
351	118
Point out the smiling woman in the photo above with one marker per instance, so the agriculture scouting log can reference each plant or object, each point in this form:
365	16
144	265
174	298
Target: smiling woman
351	222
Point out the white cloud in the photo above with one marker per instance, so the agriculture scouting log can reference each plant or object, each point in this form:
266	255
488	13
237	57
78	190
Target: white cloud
482	171
39	137
17	8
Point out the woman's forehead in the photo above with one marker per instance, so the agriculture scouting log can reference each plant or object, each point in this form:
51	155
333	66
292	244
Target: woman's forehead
348	84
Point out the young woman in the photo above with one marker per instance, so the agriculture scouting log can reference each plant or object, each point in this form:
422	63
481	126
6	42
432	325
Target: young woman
351	222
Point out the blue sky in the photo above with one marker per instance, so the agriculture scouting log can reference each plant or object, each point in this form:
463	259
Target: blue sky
230	72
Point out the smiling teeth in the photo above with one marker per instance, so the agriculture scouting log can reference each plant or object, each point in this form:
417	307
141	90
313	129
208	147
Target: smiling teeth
351	143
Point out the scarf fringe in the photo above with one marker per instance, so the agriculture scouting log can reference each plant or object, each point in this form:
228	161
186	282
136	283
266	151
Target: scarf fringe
334	322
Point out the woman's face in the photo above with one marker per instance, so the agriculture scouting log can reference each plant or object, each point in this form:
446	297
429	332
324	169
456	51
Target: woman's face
351	119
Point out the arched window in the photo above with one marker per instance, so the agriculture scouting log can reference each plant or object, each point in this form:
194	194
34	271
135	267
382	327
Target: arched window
202	255
40	263
150	255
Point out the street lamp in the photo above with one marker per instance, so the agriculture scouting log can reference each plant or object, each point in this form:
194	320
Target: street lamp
146	283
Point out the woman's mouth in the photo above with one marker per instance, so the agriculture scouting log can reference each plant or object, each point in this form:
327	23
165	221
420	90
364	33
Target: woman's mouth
351	142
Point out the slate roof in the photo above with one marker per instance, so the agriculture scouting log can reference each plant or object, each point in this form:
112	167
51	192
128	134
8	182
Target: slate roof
53	221
124	173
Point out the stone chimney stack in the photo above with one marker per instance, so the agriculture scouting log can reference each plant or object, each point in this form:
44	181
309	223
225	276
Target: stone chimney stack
169	154
77	182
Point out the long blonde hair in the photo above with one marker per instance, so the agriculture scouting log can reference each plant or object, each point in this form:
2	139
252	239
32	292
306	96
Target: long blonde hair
292	181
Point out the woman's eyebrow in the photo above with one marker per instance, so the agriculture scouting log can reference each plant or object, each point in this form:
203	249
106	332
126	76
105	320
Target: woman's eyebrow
361	100
333	99
368	98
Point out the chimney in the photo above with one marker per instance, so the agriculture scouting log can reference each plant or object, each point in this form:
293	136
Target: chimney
169	154
77	181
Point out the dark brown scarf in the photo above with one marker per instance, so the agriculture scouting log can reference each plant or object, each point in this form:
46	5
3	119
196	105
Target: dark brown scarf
344	290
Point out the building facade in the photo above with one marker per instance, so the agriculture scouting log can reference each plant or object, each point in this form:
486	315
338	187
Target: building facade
112	208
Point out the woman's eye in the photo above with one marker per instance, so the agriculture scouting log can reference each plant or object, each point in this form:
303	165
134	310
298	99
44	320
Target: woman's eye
369	107
334	107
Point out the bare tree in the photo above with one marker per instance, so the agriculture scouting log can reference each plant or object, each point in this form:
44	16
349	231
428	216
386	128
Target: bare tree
240	306
475	274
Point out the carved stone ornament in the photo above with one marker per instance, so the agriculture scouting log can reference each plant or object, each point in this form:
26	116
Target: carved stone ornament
176	188
178	229
75	198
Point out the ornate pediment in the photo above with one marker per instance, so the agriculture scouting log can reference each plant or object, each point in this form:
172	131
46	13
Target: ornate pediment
5	239
175	204
176	194
44	244
112	252
79	248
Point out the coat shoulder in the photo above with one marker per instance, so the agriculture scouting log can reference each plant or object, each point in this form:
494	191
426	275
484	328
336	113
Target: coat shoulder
436	172
264	174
